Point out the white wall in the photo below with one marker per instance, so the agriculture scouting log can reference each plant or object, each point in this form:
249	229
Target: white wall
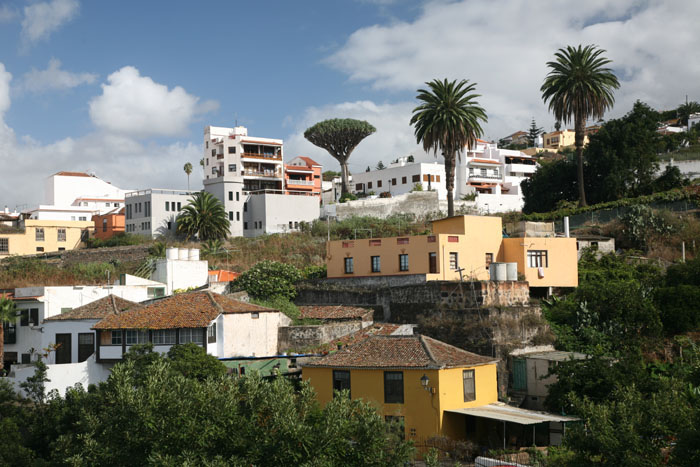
63	213
181	274
73	327
63	190
62	377
398	171
275	212
244	336
488	203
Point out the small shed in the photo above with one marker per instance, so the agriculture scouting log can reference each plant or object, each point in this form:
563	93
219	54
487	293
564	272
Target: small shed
601	245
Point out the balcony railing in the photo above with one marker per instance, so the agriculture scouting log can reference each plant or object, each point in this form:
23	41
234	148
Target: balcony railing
291	181
264	173
274	157
490	177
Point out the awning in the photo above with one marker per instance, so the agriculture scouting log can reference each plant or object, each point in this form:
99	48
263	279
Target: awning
507	413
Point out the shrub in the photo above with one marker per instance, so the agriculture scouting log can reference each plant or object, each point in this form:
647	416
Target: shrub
347	197
269	279
120	239
315	272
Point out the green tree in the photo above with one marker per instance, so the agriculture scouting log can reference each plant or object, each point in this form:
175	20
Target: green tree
192	361
553	183
579	86
380	166
557	126
8	314
411	159
448	120
533	133
203	217
340	137
685	110
269	279
329	175
188	170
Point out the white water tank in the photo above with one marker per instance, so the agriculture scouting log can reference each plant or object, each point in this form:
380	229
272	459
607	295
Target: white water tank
183	254
193	254
171	253
498	271
512	271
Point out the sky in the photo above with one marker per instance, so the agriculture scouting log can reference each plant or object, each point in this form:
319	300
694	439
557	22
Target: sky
125	88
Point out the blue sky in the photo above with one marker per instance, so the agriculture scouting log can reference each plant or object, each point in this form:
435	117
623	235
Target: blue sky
125	88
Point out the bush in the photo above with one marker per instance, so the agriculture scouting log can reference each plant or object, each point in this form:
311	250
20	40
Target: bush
315	272
120	239
347	197
269	279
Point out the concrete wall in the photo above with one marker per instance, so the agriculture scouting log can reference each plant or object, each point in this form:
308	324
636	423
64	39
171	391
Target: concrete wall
299	337
361	181
246	336
65	376
181	274
275	212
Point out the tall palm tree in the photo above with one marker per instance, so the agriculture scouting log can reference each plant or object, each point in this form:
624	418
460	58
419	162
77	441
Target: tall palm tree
579	86
188	170
448	120
204	217
8	314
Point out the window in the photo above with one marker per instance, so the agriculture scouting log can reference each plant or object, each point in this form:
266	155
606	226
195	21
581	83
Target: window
296	224
537	259
432	263
34	317
469	386
245	208
134	337
489	260
232	149
39	234
454	260
379	183
415	178
82	218
403	262
402	241
211	333
290	224
403	180
393	181
26	359
104	225
245	226
348	244
358	187
237	195
375	242
10	330
238	215
230	195
232	167
432	238
214	171
376	264
164	337
116	337
24	317
349	266
452	239
213	153
170	225
393	387
191	335
255	315
61	235
40	248
167	205
86	345
369	185
230	215
156	292
341	380
179	206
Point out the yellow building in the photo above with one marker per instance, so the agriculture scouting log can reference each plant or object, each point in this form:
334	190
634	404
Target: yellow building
557	140
460	245
43	236
413	380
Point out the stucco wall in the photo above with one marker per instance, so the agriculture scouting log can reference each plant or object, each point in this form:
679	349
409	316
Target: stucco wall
299	337
245	336
62	377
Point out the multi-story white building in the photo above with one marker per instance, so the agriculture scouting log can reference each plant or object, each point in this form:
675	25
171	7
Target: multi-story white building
402	177
153	212
247	175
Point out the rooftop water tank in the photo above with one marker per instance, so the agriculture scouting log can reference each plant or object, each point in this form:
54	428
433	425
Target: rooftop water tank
171	253
193	254
512	271
498	271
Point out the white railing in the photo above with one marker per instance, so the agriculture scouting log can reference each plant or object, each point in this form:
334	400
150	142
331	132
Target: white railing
300	182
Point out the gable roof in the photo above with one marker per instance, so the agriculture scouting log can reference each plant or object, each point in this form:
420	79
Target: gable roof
334	312
98	309
409	352
186	310
309	161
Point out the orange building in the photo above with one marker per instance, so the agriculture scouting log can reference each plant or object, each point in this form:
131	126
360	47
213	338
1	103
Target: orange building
109	224
302	175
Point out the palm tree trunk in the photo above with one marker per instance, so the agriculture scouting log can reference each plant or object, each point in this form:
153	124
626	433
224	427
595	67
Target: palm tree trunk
188	182
450	182
2	345
579	122
345	178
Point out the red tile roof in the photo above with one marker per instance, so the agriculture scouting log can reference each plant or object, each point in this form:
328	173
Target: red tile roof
309	161
109	305
335	312
408	352
185	310
485	161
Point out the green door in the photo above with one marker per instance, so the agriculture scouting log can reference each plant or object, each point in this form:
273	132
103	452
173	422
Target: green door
519	374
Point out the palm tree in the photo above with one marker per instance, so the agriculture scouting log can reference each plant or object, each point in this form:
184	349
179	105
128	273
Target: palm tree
8	314
203	217
188	170
579	86
448	120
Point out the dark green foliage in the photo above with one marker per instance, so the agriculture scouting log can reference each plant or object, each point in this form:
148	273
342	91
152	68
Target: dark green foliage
533	132
366	226
119	239
380	166
192	361
640	224
269	279
347	197
204	217
553	182
329	175
679	299
669	179
315	272
34	386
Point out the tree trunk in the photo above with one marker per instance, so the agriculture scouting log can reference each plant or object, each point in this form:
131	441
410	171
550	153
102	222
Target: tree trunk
2	345
344	176
579	124
450	182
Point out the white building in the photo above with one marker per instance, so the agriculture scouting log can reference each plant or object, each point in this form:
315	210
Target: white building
247	175
181	269
153	212
401	177
693	119
76	196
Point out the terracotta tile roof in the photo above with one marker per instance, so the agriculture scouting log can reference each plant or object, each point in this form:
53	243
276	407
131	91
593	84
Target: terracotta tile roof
484	161
309	161
335	312
415	351
186	310
109	305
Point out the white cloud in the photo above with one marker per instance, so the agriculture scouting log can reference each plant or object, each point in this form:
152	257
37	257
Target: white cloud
42	19
53	78
5	79
393	138
7	13
504	46
137	106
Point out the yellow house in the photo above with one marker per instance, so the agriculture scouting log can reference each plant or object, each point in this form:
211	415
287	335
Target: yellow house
557	140
459	247
43	236
413	380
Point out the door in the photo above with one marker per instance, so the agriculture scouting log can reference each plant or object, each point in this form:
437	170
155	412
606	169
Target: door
432	263
63	349
86	345
519	374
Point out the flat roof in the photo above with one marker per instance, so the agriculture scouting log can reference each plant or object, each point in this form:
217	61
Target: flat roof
507	413
556	355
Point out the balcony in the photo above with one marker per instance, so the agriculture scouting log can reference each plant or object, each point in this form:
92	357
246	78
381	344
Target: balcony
485	177
263	173
269	157
300	182
521	168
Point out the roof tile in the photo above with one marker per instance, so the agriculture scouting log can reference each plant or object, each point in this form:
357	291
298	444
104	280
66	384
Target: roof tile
98	309
335	312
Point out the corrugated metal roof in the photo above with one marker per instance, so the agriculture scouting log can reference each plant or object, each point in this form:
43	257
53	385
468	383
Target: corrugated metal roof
512	414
